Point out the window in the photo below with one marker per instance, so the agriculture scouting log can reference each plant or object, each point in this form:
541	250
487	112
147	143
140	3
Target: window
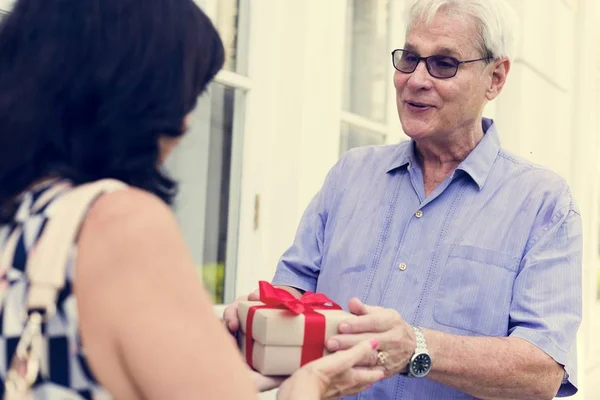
4	9
207	162
227	24
367	79
356	136
5	6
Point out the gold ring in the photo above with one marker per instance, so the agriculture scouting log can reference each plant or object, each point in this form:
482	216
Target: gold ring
381	358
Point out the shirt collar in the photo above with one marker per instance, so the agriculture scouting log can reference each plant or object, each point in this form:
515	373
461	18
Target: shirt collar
477	164
405	155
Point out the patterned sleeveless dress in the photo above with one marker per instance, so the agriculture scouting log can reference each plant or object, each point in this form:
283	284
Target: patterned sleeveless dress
65	373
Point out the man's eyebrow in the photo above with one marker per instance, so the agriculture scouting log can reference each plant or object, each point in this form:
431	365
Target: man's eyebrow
447	51
410	47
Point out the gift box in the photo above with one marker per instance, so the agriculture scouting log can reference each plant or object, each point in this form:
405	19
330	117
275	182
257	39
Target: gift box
281	333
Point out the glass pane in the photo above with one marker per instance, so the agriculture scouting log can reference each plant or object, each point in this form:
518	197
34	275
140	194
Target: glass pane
354	136
6	6
367	59
217	190
202	165
227	22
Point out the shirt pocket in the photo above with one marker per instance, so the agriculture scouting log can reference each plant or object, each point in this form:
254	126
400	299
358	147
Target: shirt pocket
475	290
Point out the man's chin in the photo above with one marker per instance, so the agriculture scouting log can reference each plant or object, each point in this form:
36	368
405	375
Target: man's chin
417	131
416	126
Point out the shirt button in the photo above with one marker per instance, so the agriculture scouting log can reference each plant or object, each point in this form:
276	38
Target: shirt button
402	267
419	214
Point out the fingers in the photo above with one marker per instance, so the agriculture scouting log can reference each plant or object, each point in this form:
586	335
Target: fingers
264	383
357	307
254	296
344	342
381	321
230	315
343	360
370	362
342	372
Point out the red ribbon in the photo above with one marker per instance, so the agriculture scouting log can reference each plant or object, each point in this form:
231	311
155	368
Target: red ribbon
314	325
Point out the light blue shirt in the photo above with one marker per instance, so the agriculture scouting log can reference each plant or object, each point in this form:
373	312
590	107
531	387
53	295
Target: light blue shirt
494	250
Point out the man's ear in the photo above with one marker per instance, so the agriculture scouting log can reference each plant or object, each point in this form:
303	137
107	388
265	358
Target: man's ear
501	67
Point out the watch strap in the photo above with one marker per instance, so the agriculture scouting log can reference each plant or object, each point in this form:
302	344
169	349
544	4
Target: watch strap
421	342
419	349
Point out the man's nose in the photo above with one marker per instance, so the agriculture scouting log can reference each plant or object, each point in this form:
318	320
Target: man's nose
420	78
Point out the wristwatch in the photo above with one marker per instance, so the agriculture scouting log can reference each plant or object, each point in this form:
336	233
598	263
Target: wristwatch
420	363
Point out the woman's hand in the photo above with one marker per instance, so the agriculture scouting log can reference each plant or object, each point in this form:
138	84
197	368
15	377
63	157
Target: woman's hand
340	374
264	383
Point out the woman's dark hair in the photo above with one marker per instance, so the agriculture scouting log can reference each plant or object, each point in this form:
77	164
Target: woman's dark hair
87	88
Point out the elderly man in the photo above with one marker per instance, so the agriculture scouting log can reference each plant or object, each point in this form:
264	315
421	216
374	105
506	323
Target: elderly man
468	256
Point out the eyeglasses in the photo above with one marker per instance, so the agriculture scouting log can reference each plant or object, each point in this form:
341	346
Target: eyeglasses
438	66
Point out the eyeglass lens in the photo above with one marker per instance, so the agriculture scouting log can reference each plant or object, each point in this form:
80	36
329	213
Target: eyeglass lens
438	66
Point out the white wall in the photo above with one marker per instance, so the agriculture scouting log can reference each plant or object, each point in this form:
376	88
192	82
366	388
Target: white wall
547	114
292	123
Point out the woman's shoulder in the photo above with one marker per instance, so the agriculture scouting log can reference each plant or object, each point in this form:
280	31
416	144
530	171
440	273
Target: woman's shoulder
129	218
129	206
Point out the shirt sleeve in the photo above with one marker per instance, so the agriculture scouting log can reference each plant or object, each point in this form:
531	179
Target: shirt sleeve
546	309
300	265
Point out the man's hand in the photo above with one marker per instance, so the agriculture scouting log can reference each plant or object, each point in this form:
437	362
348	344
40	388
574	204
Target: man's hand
396	337
230	315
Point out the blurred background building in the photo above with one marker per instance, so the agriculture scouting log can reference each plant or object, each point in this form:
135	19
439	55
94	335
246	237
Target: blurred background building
306	80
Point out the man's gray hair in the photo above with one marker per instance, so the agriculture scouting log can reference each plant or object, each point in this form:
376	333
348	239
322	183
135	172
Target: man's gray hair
496	21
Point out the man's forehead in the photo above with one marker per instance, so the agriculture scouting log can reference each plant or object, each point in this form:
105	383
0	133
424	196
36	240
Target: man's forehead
445	34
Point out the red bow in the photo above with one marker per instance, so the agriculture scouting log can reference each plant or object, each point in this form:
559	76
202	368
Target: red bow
314	325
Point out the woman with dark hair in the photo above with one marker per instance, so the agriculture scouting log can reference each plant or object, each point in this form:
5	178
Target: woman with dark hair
95	89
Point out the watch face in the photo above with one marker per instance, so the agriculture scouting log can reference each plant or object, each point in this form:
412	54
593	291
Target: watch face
421	365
